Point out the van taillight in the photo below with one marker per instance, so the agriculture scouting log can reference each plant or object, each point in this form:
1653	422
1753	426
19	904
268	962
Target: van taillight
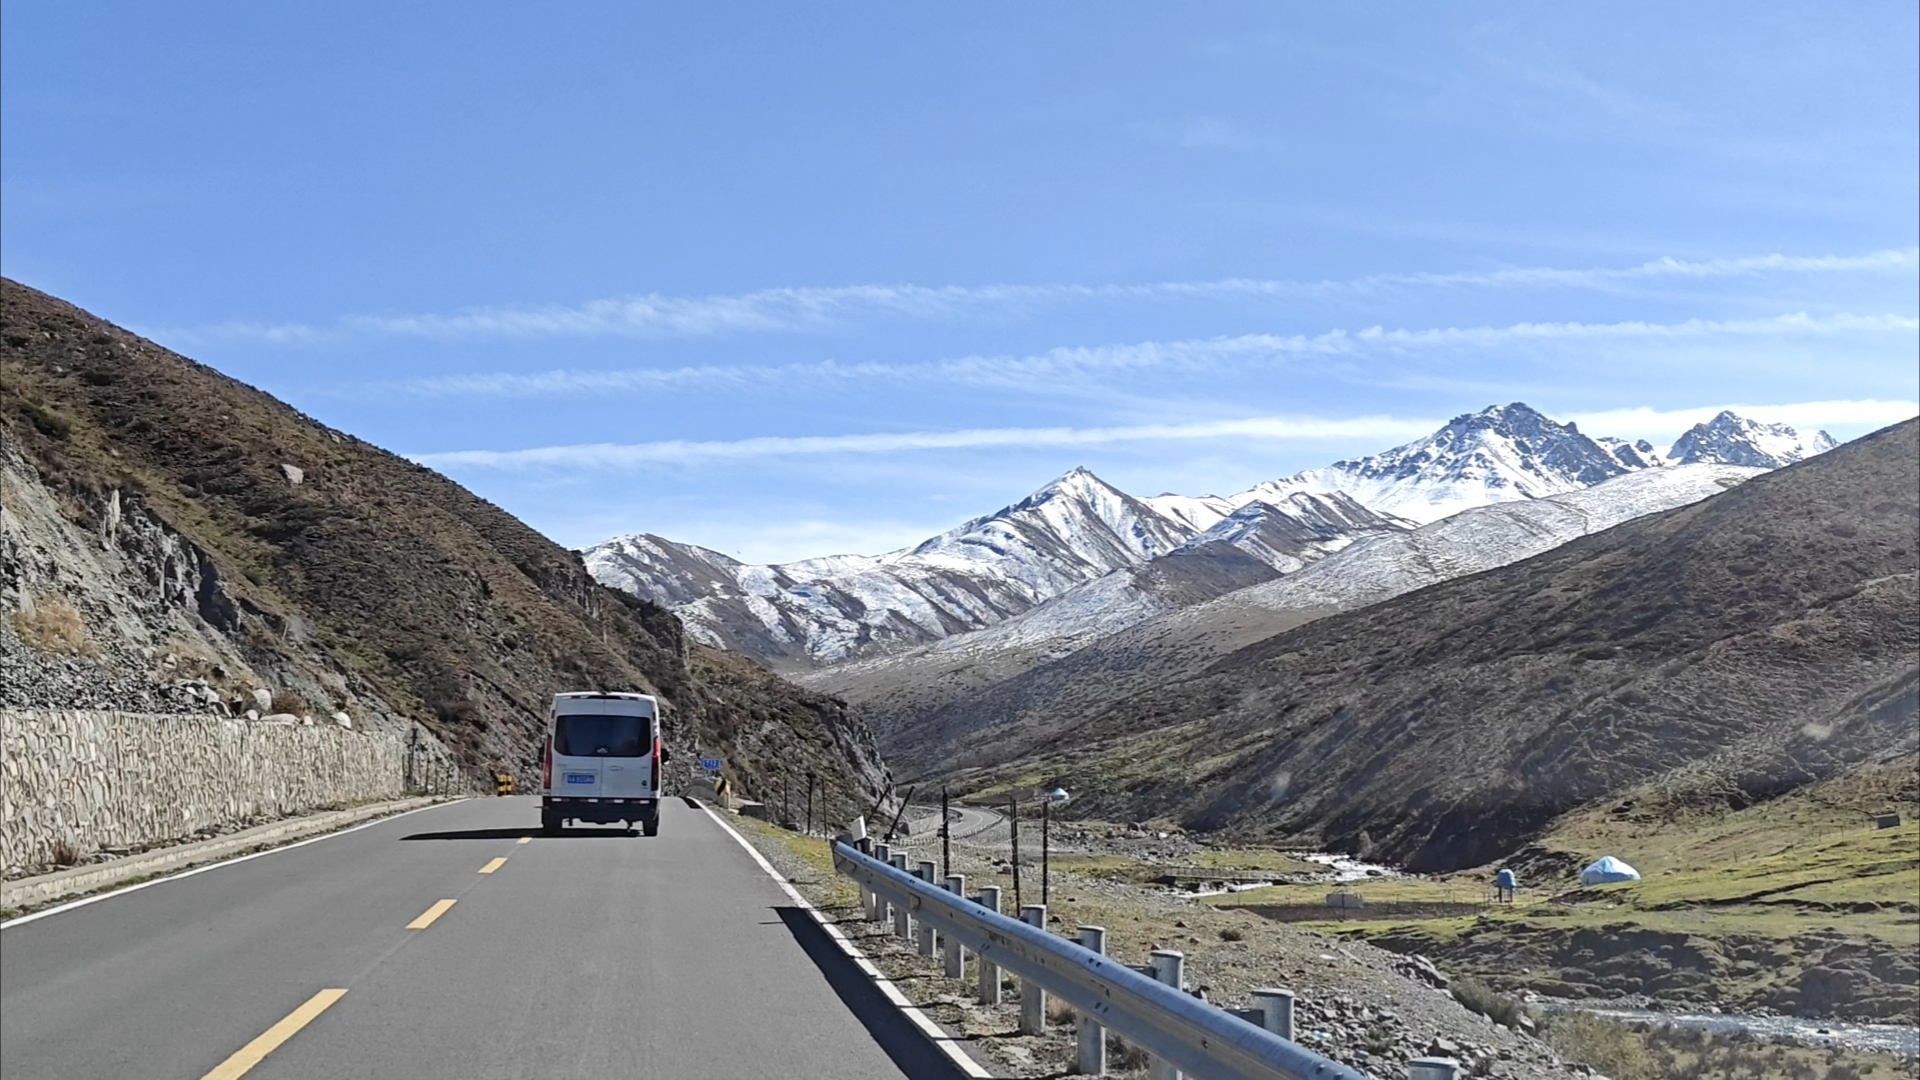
656	764
546	765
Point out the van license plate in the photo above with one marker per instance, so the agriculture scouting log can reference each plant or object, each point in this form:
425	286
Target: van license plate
579	778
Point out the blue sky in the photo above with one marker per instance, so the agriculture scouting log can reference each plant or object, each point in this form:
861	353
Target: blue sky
788	282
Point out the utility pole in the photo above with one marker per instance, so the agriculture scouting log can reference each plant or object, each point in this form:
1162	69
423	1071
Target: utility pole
946	836
809	804
786	802
1013	817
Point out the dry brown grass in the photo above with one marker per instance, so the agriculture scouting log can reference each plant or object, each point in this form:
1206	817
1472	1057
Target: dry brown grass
286	701
50	624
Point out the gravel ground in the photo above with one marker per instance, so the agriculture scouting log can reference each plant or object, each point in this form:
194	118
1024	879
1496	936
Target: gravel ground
1363	1006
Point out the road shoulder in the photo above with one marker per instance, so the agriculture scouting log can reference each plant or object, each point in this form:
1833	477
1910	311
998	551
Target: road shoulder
29	898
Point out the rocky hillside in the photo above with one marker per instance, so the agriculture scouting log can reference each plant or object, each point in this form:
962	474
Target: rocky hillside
176	539
1743	645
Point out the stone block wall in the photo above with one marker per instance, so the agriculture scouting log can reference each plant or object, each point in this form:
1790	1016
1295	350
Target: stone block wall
80	782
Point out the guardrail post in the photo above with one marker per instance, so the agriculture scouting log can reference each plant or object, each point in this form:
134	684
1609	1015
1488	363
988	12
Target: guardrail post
1091	1059
1432	1068
901	927
954	956
1168	967
989	973
882	909
1276	1007
928	937
1033	999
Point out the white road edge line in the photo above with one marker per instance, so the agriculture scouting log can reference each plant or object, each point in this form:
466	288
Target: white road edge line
934	1032
97	897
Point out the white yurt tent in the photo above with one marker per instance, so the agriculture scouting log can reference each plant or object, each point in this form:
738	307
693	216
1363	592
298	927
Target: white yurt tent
1607	869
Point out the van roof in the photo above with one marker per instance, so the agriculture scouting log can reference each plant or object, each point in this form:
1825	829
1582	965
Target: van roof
603	694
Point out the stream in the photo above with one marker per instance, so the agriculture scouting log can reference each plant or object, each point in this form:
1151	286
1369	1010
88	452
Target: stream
1884	1038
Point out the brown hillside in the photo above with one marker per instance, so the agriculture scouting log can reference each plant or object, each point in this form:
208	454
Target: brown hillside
1760	638
370	579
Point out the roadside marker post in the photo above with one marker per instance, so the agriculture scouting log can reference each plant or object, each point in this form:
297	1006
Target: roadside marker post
1091	1053
1033	998
953	957
989	989
929	938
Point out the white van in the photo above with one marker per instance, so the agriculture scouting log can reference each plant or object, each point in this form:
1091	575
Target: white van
602	762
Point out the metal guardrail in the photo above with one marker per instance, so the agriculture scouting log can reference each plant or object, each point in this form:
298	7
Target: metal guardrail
1179	1029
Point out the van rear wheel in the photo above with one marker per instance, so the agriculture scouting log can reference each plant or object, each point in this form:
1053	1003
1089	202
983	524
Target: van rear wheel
549	822
651	826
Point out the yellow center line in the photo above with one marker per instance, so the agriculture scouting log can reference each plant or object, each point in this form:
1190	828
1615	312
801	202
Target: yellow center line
524	840
251	1054
494	865
426	918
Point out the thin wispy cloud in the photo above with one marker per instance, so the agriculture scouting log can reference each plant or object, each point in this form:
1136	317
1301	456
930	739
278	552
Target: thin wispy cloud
615	456
1074	362
622	456
803	309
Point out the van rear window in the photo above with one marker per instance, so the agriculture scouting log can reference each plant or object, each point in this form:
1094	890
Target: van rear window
594	735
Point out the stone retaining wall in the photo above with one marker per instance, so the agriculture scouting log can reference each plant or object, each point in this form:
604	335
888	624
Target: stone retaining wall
92	781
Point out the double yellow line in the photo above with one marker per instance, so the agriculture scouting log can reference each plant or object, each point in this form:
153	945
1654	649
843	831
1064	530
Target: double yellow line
269	1040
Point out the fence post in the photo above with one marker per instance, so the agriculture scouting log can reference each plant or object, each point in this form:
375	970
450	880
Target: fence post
928	939
989	991
1432	1068
1091	1060
1276	1007
1168	967
1033	999
954	957
901	929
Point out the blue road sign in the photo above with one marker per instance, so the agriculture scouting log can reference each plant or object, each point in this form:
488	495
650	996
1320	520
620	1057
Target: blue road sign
710	763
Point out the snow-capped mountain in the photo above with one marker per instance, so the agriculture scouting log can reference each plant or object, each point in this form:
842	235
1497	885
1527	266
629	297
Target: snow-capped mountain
1737	440
1498	454
822	610
1081	535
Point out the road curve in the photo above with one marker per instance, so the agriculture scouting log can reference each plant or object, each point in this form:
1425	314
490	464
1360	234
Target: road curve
587	955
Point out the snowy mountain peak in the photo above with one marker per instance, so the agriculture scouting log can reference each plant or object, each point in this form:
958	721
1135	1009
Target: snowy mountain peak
1499	454
1736	440
1639	454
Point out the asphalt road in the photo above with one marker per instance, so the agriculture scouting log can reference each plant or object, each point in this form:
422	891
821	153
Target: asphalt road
592	954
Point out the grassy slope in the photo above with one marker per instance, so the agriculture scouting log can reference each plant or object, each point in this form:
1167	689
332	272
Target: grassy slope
1756	898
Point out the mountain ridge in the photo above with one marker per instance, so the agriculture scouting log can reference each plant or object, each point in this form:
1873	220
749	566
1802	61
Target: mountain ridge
836	609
